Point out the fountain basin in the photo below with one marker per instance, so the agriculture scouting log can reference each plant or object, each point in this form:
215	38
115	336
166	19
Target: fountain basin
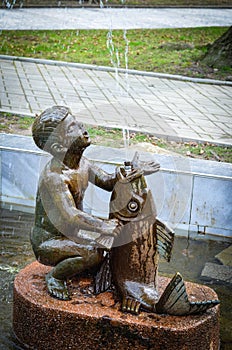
87	321
194	196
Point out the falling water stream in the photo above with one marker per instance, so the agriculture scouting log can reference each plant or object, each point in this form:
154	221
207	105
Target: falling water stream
114	55
126	140
123	79
11	3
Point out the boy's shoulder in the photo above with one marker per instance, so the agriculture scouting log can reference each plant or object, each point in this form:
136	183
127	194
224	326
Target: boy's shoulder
52	171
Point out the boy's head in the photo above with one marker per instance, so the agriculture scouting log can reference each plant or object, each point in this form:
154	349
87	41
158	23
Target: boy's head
56	129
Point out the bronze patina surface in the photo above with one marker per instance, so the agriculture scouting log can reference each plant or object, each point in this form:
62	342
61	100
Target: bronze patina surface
59	218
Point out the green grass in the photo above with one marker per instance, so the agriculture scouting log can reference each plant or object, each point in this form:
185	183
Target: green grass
175	51
204	151
11	123
25	123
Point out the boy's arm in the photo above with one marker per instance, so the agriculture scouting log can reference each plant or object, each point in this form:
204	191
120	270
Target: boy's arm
101	178
106	181
62	211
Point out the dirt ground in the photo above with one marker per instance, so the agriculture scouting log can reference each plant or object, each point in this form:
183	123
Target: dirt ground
14	124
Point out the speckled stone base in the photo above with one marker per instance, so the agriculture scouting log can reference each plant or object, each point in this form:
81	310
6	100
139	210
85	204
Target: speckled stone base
95	322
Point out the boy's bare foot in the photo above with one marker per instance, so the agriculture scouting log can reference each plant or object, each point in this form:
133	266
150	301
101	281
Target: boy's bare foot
57	288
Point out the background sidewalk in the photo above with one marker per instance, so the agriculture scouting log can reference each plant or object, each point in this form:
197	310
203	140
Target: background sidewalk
109	18
173	109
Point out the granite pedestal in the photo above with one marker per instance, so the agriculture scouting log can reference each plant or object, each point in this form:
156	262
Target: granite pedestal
95	322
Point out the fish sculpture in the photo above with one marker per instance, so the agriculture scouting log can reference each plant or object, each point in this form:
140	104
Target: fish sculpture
131	264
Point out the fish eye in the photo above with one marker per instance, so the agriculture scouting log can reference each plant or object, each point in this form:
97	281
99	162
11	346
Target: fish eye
71	127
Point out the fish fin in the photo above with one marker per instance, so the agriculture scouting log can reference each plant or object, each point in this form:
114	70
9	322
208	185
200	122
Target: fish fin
131	305
103	278
174	300
201	306
105	242
165	239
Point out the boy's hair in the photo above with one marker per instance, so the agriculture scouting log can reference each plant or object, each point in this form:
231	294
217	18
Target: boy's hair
45	127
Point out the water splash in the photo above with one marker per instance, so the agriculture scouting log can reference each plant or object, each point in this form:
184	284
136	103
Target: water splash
126	48
11	3
101	4
115	60
126	52
126	140
114	55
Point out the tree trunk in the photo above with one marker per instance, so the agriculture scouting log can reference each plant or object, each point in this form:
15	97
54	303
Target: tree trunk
220	52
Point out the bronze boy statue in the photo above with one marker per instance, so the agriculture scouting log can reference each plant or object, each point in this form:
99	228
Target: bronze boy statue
55	238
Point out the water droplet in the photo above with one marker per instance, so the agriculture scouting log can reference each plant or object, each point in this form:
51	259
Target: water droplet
126	140
126	52
101	4
114	54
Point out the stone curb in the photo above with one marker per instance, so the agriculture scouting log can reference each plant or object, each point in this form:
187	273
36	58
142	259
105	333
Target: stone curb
116	6
120	70
157	135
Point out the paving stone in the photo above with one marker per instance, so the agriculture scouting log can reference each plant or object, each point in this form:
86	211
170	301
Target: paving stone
217	272
225	256
144	101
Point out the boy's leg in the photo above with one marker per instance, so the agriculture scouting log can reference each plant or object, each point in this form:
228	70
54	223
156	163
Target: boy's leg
69	259
56	278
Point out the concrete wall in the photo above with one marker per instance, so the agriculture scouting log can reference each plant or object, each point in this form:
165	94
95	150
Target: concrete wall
193	196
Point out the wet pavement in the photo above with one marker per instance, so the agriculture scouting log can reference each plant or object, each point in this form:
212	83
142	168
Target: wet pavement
109	18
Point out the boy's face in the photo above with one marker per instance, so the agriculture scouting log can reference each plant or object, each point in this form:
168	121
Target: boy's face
73	135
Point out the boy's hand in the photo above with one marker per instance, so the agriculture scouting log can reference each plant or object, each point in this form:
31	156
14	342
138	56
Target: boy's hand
111	227
149	167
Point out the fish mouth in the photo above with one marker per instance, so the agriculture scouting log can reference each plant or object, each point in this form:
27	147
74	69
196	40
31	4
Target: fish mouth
87	139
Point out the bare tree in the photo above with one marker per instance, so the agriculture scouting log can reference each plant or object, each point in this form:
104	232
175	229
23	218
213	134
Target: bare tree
220	52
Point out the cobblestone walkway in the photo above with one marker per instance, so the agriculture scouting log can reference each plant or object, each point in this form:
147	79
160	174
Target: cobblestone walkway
168	108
